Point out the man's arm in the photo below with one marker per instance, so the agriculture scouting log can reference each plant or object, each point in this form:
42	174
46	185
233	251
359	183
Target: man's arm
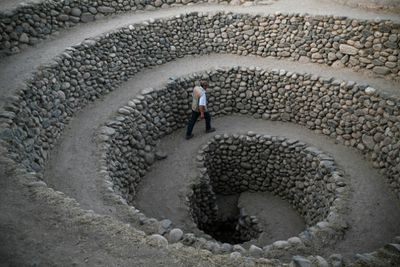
202	104
202	110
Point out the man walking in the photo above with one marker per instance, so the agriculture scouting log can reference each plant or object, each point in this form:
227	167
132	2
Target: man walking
199	108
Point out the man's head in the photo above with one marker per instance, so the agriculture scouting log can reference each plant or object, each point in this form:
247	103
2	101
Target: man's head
204	84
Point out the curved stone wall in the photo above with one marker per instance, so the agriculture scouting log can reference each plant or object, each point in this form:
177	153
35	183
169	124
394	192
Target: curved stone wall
336	41
30	22
356	116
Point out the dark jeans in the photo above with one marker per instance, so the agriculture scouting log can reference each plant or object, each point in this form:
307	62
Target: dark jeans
193	119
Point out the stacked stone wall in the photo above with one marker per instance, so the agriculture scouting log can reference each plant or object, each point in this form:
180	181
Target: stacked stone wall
355	115
30	22
302	175
336	41
202	203
135	133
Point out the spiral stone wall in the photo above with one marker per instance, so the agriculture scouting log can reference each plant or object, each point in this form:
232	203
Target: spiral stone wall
355	115
134	135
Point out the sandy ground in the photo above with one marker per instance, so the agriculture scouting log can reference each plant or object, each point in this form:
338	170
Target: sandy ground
40	230
277	218
42	227
6	5
37	230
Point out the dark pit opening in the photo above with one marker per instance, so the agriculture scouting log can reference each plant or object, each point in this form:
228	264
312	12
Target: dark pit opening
231	224
233	230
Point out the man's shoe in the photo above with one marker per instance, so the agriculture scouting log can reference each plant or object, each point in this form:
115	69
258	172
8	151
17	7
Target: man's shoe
189	136
210	130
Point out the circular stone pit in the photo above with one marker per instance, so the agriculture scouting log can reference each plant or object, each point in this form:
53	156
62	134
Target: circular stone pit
232	164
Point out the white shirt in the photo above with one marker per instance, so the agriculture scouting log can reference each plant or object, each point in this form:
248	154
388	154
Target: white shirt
199	98
203	99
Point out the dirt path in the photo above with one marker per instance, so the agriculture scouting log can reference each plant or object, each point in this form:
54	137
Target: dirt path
7	5
72	167
277	217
